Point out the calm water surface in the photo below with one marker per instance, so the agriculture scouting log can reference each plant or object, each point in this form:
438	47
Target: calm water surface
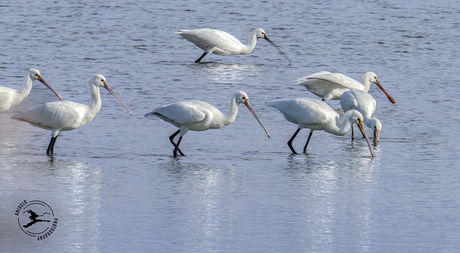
115	187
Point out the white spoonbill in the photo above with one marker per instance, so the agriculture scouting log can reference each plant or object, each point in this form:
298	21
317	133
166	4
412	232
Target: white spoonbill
199	116
222	43
65	115
10	98
364	103
317	115
328	85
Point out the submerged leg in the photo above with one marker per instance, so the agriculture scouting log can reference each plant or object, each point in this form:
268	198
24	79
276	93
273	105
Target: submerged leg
50	149
171	138
308	140
292	138
352	133
201	57
177	148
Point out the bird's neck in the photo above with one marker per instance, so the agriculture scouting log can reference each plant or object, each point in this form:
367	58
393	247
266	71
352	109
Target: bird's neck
341	126
368	121
232	112
24	92
95	96
252	41
366	83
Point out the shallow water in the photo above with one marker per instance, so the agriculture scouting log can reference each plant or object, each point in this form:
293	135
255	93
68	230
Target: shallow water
114	185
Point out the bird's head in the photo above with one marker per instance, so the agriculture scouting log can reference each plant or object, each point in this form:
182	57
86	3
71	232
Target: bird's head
355	117
241	98
99	80
371	76
34	74
260	33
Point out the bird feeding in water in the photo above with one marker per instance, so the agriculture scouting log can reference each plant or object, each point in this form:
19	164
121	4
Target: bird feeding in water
10	98
317	115
65	115
222	43
364	103
199	116
328	85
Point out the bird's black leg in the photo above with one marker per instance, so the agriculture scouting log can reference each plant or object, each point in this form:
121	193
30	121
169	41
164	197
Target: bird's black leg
201	57
308	140
171	138
292	138
50	149
177	148
352	133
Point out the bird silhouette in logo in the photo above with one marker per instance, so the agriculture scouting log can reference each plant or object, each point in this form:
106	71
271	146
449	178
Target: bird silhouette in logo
33	217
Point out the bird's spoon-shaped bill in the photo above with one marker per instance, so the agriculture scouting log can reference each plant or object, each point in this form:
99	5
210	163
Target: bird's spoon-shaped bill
49	87
361	128
115	95
257	117
277	48
386	93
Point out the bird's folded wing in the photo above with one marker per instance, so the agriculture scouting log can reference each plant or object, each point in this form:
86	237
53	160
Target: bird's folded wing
57	114
5	98
181	112
302	110
338	79
209	38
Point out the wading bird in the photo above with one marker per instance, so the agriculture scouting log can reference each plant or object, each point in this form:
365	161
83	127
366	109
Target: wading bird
199	116
317	115
364	103
10	98
222	43
65	115
328	85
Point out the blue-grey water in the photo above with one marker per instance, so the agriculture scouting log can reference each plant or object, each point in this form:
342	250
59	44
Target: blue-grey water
115	187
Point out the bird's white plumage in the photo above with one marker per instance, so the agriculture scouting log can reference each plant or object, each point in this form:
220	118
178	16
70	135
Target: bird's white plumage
313	114
316	115
222	43
57	116
213	41
305	111
193	114
366	105
337	78
199	116
8	98
360	101
332	85
65	115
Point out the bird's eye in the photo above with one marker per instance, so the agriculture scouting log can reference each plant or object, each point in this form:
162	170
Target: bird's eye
102	80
